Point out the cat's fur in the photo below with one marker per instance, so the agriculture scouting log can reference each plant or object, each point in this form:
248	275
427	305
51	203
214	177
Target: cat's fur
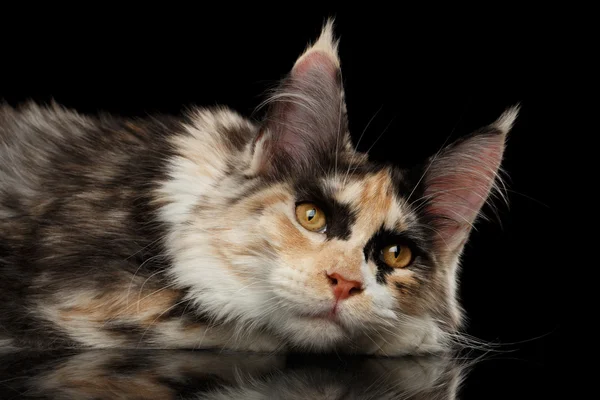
181	232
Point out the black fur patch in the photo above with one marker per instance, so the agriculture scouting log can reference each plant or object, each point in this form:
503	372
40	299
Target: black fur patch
384	237
340	218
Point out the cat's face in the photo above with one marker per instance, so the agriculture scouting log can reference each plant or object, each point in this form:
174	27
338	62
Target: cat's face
333	256
310	240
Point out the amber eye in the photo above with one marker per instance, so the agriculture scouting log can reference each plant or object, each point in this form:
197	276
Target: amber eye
397	255
311	217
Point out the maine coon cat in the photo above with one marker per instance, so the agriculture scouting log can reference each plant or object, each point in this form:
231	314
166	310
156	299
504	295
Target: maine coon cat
211	230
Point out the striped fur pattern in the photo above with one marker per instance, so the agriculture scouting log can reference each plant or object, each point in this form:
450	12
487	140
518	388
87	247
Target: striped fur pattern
181	232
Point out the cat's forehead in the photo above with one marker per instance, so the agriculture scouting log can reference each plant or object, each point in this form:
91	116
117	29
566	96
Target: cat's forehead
374	198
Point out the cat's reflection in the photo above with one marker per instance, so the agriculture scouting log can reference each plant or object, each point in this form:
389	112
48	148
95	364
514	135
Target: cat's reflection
159	374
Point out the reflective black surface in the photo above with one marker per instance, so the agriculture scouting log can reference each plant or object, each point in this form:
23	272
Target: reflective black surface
161	374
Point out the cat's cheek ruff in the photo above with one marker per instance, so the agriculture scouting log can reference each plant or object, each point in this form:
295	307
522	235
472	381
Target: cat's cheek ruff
195	265
197	167
210	286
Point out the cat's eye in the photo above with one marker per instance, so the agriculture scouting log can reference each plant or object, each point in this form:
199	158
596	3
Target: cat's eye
397	255
311	217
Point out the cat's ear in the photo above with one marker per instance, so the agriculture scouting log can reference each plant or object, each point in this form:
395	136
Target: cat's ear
459	179
306	121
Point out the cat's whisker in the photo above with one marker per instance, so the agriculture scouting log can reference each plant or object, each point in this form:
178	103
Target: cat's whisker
358	143
380	135
151	324
184	309
528	197
337	136
285	97
247	286
435	156
129	306
439	235
135	273
372	340
462	205
140	299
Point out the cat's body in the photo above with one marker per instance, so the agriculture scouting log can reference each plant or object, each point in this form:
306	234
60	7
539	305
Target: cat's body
186	232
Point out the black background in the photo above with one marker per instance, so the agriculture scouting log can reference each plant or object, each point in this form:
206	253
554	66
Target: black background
421	80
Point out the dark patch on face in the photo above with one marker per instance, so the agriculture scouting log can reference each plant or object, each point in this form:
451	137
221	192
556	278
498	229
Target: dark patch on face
383	271
385	237
340	218
406	182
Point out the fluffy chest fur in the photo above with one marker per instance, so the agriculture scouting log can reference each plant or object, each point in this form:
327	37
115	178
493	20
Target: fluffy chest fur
197	231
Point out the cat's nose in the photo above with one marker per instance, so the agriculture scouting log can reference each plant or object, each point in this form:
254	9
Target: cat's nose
342	287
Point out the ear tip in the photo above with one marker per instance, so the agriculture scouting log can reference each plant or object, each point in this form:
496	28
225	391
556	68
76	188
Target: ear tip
326	44
507	120
329	27
328	39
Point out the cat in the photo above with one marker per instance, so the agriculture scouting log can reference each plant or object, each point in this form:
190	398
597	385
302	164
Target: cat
211	230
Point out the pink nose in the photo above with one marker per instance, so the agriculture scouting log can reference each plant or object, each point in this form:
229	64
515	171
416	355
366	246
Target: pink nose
342	287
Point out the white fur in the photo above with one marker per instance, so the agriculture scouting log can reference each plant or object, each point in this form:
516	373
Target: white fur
506	121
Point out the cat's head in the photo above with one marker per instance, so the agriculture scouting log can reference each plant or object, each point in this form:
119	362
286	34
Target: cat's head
307	238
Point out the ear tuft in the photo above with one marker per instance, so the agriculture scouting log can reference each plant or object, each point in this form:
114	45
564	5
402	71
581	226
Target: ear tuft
326	45
506	121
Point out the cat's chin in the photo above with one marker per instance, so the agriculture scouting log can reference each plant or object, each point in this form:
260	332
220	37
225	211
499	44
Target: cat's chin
314	332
